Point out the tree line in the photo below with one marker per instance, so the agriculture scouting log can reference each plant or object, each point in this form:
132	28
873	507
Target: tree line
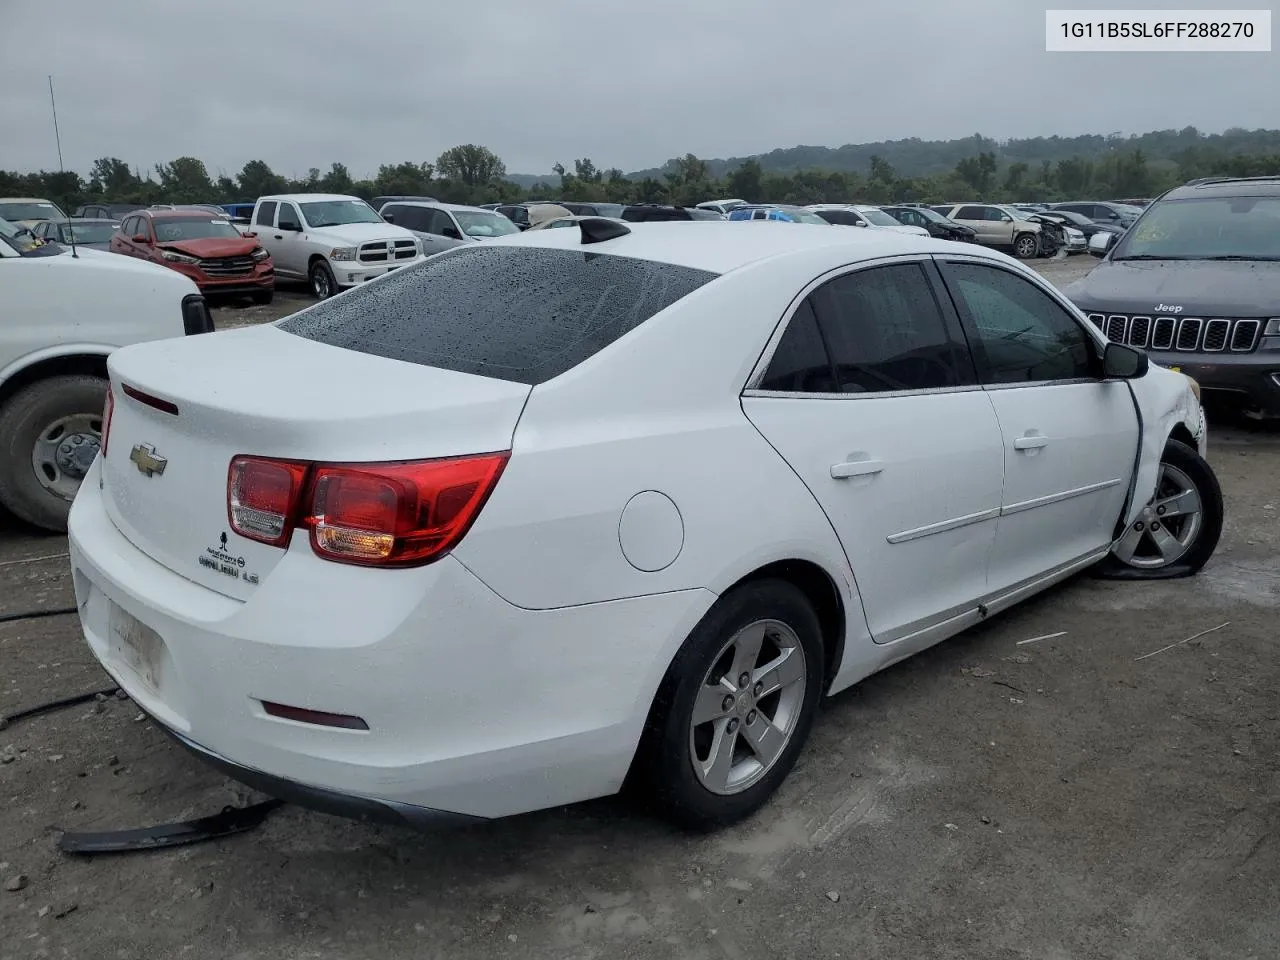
470	173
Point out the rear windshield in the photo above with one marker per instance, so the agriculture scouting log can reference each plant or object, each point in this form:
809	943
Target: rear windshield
512	313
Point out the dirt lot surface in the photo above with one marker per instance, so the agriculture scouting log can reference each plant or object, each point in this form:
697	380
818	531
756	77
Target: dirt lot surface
991	798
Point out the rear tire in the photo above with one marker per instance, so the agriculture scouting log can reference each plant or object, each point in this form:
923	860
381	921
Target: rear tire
1164	543
323	284
58	415
758	728
1026	246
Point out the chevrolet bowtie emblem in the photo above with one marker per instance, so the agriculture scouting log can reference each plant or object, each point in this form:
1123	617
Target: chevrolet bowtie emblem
144	456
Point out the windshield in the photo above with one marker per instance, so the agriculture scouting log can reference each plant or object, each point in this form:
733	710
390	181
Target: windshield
24	241
175	229
804	216
878	217
335	213
86	232
1232	228
477	224
37	210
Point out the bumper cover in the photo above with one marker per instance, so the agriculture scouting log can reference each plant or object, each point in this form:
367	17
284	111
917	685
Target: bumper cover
1252	379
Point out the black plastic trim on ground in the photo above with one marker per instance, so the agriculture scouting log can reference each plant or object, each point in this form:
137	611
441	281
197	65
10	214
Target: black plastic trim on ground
53	705
230	821
37	614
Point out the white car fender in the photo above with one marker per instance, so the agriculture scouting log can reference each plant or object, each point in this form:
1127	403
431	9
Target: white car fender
1165	399
52	353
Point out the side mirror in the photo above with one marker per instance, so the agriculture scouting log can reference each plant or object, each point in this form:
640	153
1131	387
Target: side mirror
141	238
452	233
248	234
389	217
1120	362
1005	218
1101	242
859	223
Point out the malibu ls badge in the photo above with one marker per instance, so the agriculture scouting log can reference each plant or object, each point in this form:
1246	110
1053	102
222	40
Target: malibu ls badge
144	458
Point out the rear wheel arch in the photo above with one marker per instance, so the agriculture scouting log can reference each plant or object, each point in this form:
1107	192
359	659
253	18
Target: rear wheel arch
820	588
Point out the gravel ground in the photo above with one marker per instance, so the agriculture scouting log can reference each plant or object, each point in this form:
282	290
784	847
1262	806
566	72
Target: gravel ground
986	799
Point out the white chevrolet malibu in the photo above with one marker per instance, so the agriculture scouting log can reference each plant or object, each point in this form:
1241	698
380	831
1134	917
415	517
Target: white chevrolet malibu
619	504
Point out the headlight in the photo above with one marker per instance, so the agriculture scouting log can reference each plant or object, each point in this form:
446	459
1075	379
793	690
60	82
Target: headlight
179	257
259	253
342	253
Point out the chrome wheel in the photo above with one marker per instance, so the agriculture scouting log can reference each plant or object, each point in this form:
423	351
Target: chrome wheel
64	451
1167	526
747	707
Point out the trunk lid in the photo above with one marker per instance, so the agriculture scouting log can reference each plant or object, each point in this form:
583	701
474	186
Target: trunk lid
264	392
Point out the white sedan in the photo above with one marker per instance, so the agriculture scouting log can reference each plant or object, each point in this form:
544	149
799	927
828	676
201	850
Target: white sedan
577	508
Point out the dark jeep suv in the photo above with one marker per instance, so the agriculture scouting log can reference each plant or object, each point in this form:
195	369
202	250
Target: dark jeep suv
1196	282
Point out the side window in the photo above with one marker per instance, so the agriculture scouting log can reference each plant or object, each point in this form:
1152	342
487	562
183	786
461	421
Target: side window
885	331
970	213
266	214
801	364
994	214
142	227
288	215
126	228
1024	335
434	221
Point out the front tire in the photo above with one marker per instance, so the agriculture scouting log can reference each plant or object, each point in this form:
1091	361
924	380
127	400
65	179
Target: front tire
1180	526
1026	246
735	707
50	433
323	284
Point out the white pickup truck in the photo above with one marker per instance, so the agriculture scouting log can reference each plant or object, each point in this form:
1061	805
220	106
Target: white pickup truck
63	312
330	240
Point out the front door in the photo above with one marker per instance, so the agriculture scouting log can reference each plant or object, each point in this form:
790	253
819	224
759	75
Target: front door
292	257
1070	438
872	399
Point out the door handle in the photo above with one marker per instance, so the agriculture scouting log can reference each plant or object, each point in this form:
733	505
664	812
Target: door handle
279	237
1032	441
855	468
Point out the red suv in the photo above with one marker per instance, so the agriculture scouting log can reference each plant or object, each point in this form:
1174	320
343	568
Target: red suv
205	247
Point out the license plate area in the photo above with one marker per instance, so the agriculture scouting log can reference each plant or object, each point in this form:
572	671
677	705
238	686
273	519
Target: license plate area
137	646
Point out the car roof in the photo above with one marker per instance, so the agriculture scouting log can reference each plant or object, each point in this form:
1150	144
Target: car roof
720	246
434	204
26	200
309	197
1227	187
187	212
79	220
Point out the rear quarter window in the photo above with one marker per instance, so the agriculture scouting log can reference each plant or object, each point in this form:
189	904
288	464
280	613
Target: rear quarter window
512	313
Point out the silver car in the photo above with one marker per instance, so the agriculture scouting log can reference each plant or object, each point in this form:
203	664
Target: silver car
442	226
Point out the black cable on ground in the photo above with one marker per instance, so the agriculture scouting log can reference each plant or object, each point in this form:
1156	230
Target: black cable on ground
53	705
37	614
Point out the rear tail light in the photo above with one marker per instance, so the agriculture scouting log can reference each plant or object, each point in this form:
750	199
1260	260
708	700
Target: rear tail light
377	514
262	497
108	408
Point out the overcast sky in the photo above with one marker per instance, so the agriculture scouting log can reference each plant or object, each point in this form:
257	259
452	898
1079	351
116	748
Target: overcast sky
628	83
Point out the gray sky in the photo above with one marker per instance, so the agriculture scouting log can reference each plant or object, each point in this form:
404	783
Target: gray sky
628	83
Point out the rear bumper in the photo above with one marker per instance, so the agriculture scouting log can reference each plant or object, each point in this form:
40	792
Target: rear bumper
474	707
325	801
1249	379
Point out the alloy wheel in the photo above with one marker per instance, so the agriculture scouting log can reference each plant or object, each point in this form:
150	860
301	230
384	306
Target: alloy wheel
747	707
1168	525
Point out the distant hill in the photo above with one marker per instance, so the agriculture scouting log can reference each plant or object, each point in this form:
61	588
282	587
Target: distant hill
919	158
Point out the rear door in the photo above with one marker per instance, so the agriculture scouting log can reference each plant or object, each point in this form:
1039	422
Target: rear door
870	395
1070	438
975	216
264	225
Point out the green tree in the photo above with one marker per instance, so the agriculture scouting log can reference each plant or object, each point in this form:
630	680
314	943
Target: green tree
746	182
111	177
256	179
471	164
185	180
